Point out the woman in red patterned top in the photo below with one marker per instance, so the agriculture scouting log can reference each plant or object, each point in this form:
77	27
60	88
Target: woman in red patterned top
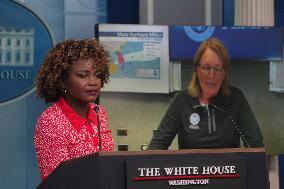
71	77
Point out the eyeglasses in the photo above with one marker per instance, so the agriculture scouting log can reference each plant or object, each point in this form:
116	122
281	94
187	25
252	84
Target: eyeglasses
207	69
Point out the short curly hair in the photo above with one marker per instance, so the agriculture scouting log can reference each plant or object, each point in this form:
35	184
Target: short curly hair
58	61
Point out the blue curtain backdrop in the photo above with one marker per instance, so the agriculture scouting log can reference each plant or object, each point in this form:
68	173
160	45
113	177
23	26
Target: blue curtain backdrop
279	12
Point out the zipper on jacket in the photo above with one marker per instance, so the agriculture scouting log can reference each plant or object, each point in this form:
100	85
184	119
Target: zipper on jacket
211	120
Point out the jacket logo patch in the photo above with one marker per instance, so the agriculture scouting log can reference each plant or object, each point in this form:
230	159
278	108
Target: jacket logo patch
194	119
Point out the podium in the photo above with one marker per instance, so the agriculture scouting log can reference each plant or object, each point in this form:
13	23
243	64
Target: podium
242	168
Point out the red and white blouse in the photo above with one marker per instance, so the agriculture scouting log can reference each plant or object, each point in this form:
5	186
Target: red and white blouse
61	134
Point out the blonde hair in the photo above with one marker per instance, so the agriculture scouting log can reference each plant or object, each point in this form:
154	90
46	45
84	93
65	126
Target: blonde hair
218	47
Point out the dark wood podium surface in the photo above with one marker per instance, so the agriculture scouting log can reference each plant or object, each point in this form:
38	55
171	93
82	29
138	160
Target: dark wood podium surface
108	170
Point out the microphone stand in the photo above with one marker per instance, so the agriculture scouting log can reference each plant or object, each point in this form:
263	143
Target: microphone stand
96	109
234	124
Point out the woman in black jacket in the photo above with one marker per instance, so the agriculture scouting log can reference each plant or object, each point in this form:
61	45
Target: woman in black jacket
210	113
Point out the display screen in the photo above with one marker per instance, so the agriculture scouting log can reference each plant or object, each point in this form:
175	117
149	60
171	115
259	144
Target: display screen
242	42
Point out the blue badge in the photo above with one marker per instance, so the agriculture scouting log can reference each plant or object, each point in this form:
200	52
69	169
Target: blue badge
194	119
24	42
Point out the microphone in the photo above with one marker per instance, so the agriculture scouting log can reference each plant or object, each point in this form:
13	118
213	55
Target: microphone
246	143
96	109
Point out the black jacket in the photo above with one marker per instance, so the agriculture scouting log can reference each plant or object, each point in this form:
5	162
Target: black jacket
219	124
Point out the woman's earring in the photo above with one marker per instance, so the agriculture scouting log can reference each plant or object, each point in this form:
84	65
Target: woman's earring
64	91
